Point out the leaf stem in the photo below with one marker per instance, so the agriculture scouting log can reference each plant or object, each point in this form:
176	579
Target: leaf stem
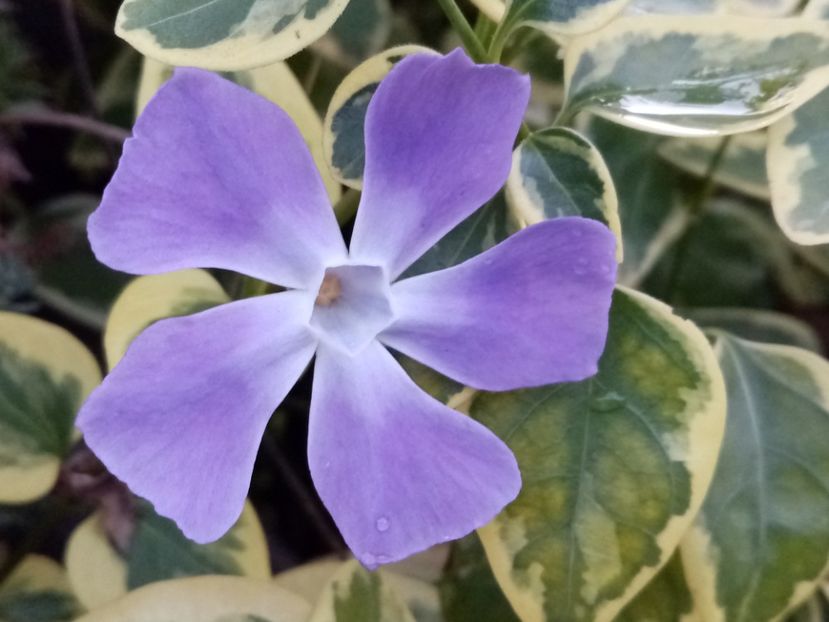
696	209
470	40
100	129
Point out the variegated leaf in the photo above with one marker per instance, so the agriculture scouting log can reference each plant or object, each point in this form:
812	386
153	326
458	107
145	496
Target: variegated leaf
798	155
224	34
697	76
757	325
101	574
361	31
562	18
558	172
205	599
45	375
614	467
356	595
667	598
760	544
343	140
150	298
38	591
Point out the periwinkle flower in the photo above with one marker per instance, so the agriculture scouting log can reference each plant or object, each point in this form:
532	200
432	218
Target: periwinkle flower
217	177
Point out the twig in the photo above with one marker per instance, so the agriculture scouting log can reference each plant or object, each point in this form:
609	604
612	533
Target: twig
68	120
298	488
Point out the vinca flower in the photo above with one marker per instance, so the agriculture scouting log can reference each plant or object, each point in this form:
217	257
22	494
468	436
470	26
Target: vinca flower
218	177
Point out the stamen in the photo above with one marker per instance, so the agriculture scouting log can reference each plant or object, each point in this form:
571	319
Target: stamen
330	290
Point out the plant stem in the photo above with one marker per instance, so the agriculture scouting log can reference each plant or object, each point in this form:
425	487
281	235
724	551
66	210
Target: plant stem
696	209
470	40
499	40
67	120
300	491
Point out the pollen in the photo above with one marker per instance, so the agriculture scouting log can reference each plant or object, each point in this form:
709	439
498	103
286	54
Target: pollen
330	290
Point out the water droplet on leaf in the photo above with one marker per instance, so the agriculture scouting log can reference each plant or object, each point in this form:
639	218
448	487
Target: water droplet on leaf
607	403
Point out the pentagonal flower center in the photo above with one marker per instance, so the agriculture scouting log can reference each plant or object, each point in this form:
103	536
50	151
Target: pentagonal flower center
352	306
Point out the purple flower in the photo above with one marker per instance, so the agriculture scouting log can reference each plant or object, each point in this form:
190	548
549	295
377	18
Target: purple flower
217	177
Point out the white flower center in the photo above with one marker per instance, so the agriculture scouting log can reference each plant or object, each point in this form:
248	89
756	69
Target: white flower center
352	307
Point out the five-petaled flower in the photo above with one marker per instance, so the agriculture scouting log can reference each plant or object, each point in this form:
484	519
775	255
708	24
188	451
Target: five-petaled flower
217	177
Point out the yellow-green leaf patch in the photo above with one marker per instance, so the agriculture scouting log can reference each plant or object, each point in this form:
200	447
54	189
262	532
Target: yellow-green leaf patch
151	298
798	156
45	375
697	76
159	551
224	34
613	468
667	598
760	544
37	591
741	168
205	599
343	140
356	595
558	172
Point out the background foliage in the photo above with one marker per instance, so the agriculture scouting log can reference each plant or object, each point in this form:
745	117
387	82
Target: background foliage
687	481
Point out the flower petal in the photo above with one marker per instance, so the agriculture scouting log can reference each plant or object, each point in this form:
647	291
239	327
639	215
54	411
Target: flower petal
216	177
439	136
531	311
398	470
180	418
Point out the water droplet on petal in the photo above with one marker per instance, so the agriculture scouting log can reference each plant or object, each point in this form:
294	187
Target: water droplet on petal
382	524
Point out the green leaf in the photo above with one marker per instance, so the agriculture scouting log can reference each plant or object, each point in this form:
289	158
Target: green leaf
667	598
37	591
697	76
205	599
357	595
481	231
742	167
68	277
757	325
343	140
151	298
468	590
276	83
557	172
733	256
158	551
760	544
361	31
224	34
614	467
798	155
567	18
45	375
649	202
